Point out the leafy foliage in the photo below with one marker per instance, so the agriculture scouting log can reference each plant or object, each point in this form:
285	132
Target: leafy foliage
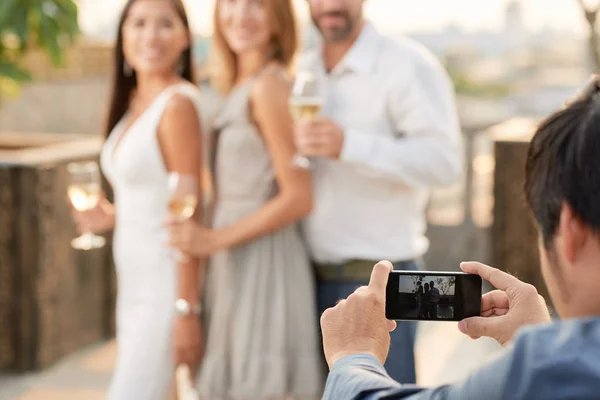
49	25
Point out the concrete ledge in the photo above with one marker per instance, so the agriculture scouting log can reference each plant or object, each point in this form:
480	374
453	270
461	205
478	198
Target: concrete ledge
29	149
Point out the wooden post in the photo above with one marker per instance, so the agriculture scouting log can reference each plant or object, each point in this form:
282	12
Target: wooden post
53	299
514	235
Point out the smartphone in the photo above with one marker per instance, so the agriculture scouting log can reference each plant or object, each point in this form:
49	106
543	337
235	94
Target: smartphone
432	296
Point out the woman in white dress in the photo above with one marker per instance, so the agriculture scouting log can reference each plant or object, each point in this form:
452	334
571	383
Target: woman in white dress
262	335
153	129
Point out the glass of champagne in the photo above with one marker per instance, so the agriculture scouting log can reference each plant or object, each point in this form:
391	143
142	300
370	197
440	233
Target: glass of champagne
84	190
183	198
305	102
185	388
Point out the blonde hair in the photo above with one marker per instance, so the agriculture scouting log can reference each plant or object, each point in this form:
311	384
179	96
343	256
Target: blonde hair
284	43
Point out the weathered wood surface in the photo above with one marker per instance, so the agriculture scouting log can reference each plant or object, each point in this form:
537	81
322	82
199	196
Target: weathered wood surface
53	299
514	235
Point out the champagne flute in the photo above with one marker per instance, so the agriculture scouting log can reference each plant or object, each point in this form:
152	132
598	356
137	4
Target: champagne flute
305	102
84	191
183	198
185	388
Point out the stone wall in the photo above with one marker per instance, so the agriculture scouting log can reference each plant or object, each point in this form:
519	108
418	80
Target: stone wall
71	106
72	98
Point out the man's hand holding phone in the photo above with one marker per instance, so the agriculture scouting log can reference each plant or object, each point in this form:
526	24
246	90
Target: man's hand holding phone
505	310
357	325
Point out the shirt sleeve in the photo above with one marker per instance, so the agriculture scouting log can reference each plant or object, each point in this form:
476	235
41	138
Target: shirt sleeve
553	361
363	377
427	150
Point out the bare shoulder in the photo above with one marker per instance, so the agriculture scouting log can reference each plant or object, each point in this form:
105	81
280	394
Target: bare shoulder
180	117
180	105
272	84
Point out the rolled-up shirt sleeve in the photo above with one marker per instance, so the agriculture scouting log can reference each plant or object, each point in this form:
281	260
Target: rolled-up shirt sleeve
363	377
554	361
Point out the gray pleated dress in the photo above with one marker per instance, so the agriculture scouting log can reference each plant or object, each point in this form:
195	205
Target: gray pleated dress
261	323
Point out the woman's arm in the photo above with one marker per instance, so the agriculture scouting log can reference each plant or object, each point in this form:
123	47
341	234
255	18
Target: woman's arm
180	141
269	105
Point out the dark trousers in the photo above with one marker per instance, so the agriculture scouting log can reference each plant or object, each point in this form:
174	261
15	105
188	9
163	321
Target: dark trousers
400	364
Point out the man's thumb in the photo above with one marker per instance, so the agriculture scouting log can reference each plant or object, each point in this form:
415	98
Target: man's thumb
480	326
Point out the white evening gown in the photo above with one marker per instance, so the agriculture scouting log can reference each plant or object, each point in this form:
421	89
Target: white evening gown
146	270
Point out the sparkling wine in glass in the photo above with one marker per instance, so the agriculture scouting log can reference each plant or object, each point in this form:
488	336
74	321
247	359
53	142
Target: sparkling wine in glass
183	197
84	191
305	102
185	388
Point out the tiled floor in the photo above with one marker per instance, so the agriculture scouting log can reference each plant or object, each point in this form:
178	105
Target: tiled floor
83	376
63	394
443	355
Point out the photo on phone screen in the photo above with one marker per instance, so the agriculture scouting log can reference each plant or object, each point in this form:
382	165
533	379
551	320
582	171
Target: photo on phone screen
432	296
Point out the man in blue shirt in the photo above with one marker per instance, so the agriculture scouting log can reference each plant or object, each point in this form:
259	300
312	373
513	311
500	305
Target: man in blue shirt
547	360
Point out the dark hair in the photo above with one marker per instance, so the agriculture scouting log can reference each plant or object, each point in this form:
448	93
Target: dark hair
563	164
123	85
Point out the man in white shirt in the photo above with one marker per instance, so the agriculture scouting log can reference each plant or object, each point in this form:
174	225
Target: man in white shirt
387	134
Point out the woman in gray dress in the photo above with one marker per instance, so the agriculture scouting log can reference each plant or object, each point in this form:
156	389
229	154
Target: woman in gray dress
262	335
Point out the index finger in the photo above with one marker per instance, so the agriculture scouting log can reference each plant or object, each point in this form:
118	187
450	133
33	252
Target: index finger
379	276
501	280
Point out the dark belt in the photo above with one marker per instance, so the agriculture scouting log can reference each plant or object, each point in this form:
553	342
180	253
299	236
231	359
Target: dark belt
353	270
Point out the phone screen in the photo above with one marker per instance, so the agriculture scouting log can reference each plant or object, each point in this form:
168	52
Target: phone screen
432	296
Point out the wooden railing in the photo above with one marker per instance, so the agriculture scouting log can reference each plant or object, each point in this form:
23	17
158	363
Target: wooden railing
53	299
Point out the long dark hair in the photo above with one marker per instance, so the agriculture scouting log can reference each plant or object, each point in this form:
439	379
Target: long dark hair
123	85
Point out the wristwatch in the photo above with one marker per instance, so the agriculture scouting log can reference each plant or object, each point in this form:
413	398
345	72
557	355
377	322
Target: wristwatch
183	308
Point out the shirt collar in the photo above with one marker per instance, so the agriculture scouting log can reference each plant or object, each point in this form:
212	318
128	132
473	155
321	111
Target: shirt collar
362	55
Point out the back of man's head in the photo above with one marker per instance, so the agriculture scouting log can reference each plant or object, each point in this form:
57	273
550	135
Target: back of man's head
563	184
563	164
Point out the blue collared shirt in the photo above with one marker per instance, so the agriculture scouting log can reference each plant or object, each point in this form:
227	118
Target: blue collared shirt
551	362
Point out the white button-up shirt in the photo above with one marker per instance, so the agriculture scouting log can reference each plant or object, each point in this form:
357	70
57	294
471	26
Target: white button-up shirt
401	138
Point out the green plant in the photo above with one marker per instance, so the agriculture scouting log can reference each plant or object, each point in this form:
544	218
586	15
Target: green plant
25	25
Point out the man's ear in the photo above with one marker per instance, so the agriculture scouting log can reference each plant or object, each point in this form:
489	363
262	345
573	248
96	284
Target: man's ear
573	233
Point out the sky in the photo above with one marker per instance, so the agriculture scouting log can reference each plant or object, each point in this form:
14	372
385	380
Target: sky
390	16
